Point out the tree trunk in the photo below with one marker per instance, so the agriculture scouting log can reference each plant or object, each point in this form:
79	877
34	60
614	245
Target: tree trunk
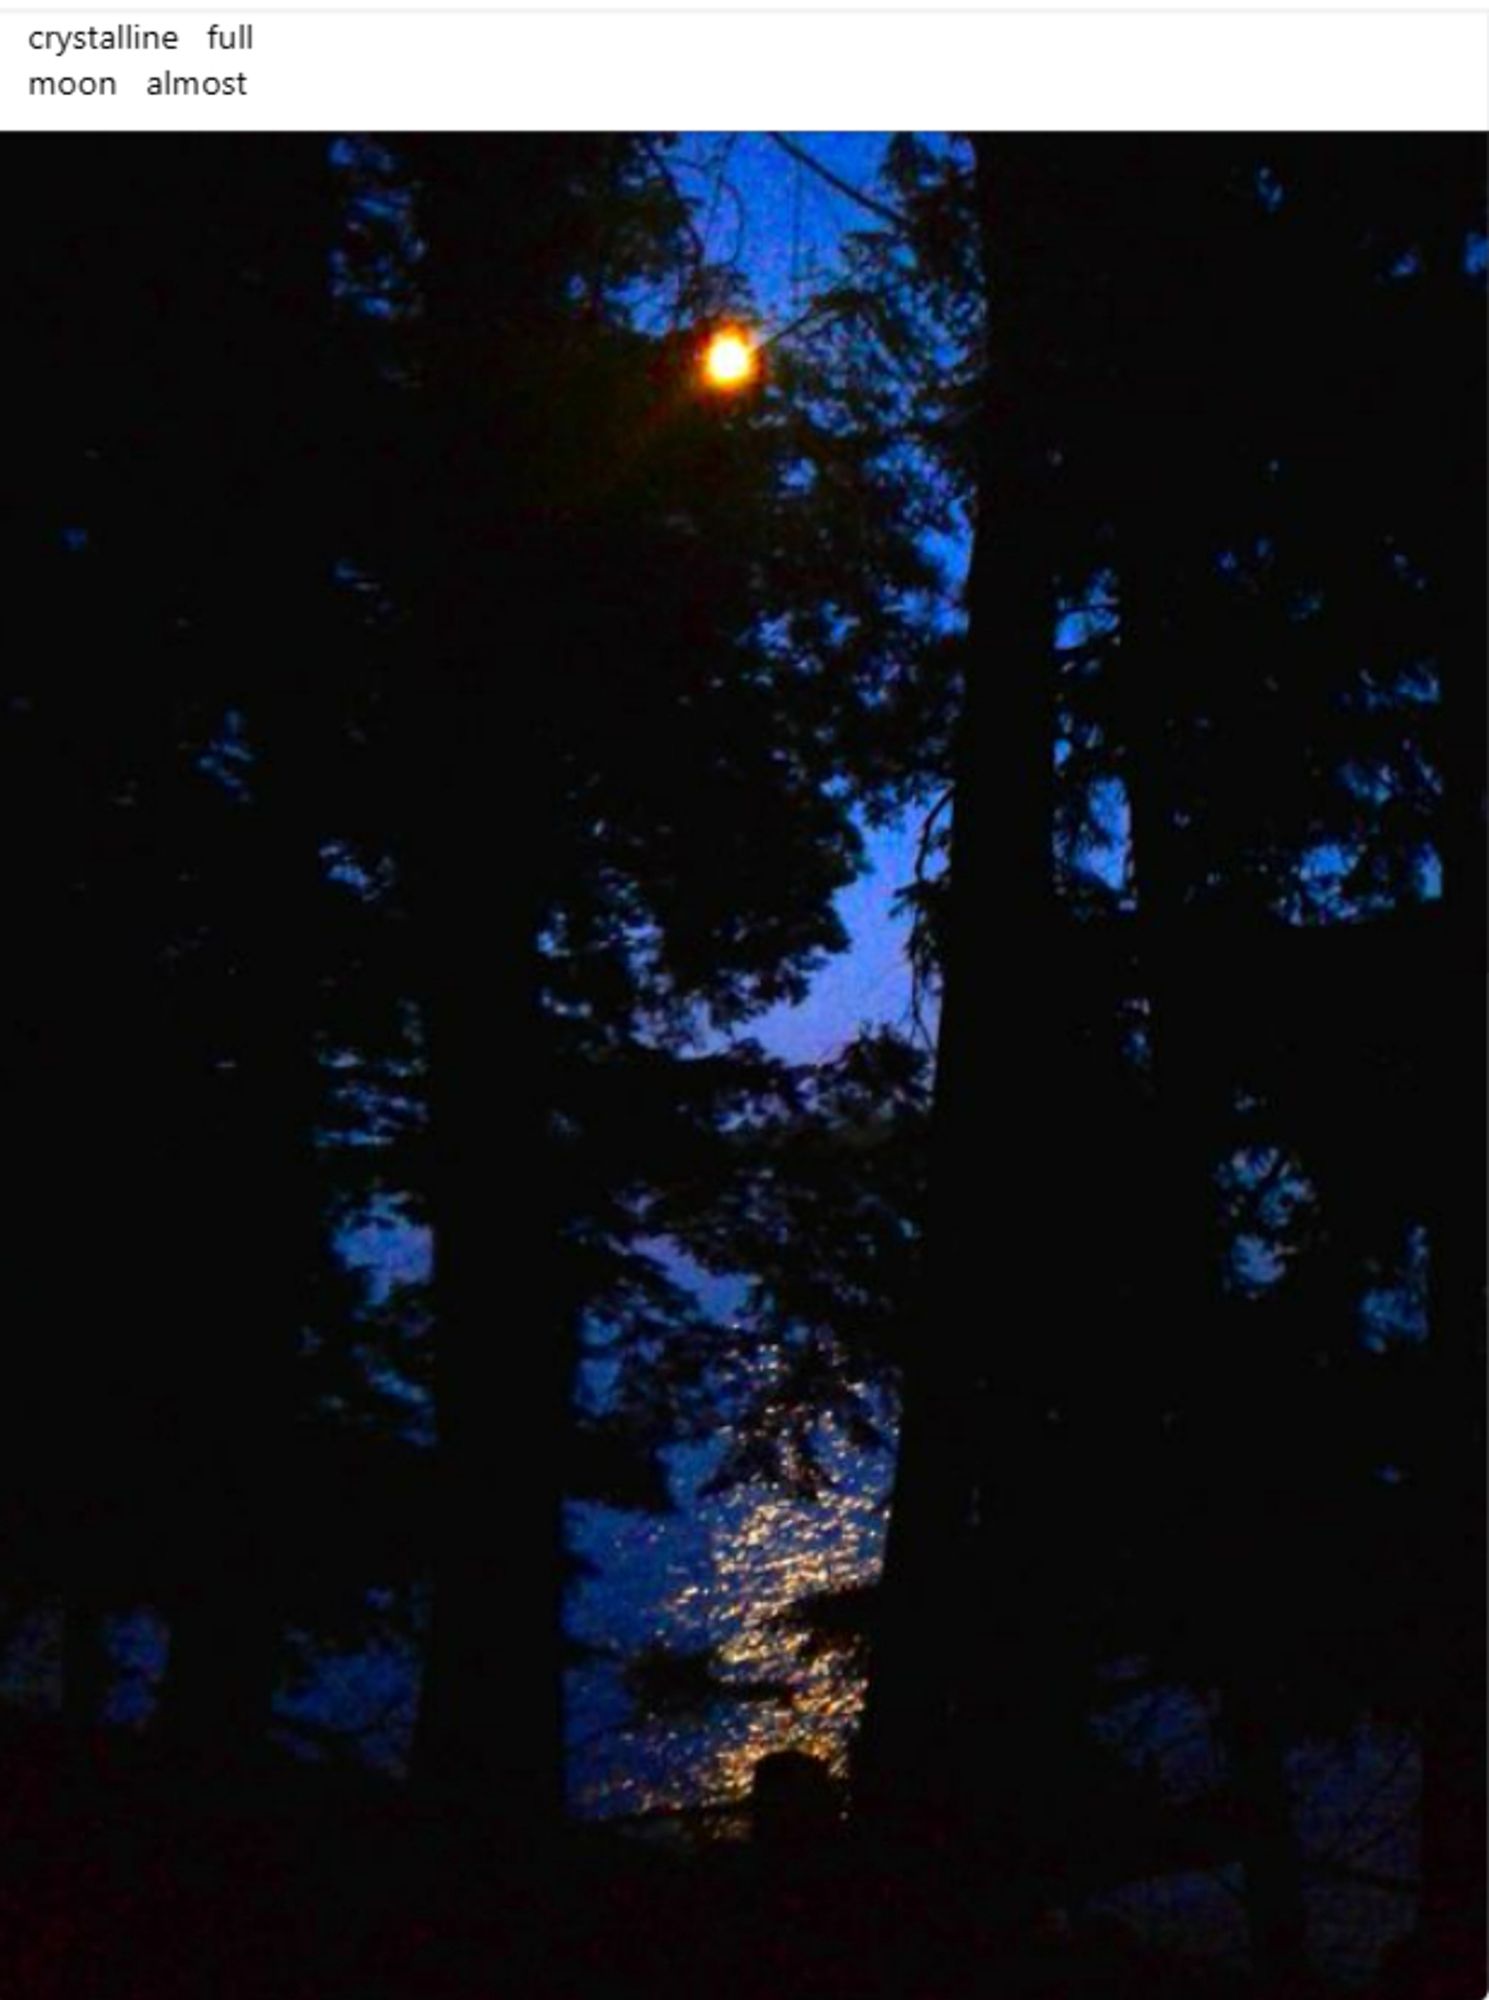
1455	1802
945	1699
490	687
1276	1913
490	1720
252	1194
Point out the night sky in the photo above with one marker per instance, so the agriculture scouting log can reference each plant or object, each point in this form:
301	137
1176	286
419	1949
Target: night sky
717	1568
787	227
715	1571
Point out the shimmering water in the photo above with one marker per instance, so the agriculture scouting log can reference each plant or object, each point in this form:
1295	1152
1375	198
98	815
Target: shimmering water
713	1575
719	1574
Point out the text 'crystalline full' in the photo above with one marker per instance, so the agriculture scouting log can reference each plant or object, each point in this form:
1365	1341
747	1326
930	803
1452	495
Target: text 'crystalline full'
129	36
70	78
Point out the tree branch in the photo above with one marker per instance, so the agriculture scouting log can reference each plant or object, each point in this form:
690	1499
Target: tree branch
867	202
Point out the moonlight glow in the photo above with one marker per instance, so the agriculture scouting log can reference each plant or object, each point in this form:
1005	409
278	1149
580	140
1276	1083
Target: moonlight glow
729	359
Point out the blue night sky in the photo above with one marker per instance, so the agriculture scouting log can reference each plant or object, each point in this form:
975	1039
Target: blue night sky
786	226
716	1570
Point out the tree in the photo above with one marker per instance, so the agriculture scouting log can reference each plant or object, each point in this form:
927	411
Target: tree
1124	503
676	749
174	891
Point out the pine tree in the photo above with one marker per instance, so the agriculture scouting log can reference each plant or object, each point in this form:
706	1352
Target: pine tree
616	747
1193	485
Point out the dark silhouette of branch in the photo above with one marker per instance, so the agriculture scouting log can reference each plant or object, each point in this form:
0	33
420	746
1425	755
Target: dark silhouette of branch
869	203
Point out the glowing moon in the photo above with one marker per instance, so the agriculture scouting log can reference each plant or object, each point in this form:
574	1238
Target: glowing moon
729	359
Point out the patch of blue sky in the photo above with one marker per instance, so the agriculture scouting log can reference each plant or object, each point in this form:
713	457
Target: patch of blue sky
769	213
786	227
1395	1310
228	758
1418	684
869	984
1270	191
1104	852
1074	630
1085	617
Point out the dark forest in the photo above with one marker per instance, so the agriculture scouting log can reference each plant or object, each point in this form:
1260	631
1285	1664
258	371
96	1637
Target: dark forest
460	647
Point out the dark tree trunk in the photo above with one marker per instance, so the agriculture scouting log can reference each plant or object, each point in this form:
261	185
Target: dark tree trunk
1171	444
1254	1735
491	1712
252	1230
946	1698
1455	1804
492	678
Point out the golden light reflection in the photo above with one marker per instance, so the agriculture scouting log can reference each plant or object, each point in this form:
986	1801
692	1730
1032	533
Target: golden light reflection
780	1551
726	1573
768	1551
730	360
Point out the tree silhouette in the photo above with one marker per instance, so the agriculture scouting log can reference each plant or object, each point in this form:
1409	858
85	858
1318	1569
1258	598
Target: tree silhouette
175	1110
1206	427
438	727
676	742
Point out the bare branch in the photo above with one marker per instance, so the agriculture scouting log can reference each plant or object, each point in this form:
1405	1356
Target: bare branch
920	973
869	203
